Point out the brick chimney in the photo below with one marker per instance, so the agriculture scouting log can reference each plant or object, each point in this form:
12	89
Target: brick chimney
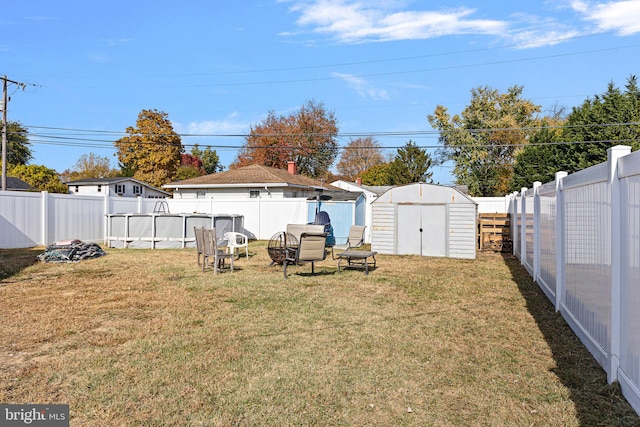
291	167
359	181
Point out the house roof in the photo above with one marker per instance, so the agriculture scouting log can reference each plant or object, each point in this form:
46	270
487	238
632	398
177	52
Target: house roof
252	175
91	181
16	184
372	189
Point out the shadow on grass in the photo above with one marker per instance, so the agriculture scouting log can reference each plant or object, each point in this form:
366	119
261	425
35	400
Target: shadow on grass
596	402
13	261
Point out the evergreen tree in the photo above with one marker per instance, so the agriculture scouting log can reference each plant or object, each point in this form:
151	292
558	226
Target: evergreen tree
410	165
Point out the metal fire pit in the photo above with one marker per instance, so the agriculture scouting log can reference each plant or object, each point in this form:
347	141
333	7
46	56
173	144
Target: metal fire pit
281	246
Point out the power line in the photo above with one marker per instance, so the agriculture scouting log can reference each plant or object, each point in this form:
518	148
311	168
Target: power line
379	61
293	147
391	73
443	68
415	133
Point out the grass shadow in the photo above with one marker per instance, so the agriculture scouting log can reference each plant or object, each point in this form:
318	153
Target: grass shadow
316	273
596	402
13	261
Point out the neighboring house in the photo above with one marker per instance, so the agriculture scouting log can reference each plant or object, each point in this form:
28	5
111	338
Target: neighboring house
122	186
255	181
371	193
16	184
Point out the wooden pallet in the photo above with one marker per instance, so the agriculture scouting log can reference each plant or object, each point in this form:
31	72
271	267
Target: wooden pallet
494	232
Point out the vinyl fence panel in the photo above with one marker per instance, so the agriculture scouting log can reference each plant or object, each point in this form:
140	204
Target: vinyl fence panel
20	219
589	222
547	271
76	217
629	374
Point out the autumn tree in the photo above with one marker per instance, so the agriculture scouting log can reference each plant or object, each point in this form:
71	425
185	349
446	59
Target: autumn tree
411	164
39	177
152	150
90	166
308	137
210	160
483	140
358	156
18	145
190	167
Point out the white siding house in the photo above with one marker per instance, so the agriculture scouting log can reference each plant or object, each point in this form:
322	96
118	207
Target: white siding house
250	182
124	186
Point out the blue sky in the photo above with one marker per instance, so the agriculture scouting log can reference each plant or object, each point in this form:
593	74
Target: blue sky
218	67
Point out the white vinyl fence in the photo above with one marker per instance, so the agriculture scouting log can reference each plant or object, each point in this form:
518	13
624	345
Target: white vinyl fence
39	219
579	238
35	219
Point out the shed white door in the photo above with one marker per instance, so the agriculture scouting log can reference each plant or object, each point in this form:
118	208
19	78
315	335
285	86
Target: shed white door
421	230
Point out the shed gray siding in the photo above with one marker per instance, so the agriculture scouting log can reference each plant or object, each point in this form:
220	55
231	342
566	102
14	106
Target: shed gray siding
462	231
383	228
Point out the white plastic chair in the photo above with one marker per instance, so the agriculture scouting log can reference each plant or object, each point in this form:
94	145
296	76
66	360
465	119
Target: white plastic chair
236	241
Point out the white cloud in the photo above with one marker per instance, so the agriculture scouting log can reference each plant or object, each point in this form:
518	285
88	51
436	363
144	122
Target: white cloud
41	18
118	42
352	22
362	87
527	39
530	31
230	125
100	58
622	17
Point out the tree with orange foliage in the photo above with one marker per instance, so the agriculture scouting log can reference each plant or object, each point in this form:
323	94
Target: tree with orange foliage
190	167
307	137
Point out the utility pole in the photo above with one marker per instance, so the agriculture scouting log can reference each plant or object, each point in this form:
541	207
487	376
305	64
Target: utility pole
5	102
4	133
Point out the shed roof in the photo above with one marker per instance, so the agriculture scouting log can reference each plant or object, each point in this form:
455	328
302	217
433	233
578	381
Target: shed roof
424	193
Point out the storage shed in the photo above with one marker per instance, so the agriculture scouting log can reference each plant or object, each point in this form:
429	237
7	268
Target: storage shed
424	219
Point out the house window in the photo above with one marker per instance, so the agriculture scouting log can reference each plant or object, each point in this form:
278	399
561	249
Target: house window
137	189
99	188
120	188
200	194
254	194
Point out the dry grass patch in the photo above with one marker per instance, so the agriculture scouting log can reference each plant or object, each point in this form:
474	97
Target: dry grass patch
143	337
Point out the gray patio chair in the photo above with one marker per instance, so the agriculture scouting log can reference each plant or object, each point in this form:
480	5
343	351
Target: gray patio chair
198	234
311	248
211	250
355	239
